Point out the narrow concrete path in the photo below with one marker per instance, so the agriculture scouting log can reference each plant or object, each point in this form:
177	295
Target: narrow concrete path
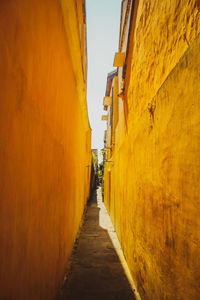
96	271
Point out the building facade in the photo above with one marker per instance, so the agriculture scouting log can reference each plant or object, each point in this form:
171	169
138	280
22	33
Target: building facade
152	164
44	171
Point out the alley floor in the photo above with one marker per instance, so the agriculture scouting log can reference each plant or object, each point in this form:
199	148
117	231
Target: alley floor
96	271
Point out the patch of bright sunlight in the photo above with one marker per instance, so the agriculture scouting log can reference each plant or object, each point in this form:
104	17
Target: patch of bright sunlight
106	224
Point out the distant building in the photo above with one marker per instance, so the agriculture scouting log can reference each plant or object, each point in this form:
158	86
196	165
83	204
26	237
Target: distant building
110	103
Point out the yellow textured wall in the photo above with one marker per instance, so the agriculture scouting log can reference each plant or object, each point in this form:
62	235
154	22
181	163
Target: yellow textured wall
163	31
152	186
44	149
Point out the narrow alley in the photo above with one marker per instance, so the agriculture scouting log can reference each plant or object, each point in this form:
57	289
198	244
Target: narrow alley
96	271
99	93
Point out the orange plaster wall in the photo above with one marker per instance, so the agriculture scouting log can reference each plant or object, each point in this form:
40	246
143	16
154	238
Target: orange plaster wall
151	184
151	188
44	150
163	31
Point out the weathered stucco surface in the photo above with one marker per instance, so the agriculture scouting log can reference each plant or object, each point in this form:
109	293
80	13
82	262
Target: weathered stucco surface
44	149
152	180
163	32
155	189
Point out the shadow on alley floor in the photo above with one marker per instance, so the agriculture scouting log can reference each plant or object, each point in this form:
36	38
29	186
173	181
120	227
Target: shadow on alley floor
96	271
